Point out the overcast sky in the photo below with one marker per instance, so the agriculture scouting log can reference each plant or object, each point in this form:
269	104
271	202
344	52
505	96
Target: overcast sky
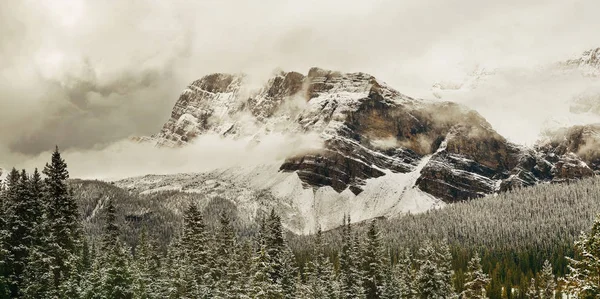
84	74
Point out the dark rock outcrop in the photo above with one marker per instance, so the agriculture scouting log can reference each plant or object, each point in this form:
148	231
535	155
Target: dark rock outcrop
369	130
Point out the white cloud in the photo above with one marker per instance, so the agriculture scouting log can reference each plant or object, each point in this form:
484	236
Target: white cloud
209	152
85	74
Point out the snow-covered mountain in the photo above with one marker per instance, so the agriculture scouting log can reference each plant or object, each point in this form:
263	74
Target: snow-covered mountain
383	154
587	64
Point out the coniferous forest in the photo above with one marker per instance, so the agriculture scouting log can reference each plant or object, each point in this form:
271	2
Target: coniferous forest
48	251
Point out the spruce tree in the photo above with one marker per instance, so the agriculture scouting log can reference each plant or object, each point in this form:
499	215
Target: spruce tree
289	273
116	280
432	279
584	277
406	274
391	286
263	287
63	221
532	291
4	253
358	290
546	281
345	261
274	242
245	260
146	269
16	252
321	277
350	278
376	263
227	272
195	252
444	260
180	278
476	280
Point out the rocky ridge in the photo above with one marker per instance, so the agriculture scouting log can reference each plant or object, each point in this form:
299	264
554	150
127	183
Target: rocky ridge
370	130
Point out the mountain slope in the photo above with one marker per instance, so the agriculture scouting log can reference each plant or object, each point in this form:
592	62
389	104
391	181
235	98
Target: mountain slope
383	153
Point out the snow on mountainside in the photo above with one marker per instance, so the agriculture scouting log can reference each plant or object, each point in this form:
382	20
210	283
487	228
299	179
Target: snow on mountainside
383	154
263	188
587	64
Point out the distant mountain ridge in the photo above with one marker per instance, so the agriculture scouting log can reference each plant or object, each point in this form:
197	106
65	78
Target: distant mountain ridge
429	151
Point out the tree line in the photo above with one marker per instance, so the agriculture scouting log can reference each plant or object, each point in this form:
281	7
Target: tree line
45	254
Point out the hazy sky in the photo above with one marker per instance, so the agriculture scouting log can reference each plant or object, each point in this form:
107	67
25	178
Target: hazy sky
84	73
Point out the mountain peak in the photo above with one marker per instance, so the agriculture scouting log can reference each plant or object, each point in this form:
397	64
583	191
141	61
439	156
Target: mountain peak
588	62
383	153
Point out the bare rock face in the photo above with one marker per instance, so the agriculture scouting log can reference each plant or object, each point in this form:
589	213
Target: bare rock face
575	151
370	130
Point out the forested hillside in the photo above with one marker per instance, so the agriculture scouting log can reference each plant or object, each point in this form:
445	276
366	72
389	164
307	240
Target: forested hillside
89	239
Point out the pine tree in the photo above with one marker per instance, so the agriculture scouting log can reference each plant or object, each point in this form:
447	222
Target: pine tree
584	277
532	291
433	280
63	226
4	253
196	254
275	244
227	272
476	280
376	263
358	290
392	287
147	269
350	278
321	277
113	278
289	273
15	252
444	260
546	281
406	275
262	284
179	277
245	262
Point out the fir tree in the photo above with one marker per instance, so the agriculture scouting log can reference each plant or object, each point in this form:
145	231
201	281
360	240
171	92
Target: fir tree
63	226
16	252
350	276
584	277
477	281
532	291
406	275
113	278
262	284
227	272
444	261
274	244
321	277
147	269
288	273
195	252
432	280
546	281
245	262
358	290
392	288
4	253
376	263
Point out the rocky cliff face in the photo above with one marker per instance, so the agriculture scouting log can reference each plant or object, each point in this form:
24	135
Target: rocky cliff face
370	130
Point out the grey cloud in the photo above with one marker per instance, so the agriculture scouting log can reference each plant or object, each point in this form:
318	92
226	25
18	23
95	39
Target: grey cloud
84	74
